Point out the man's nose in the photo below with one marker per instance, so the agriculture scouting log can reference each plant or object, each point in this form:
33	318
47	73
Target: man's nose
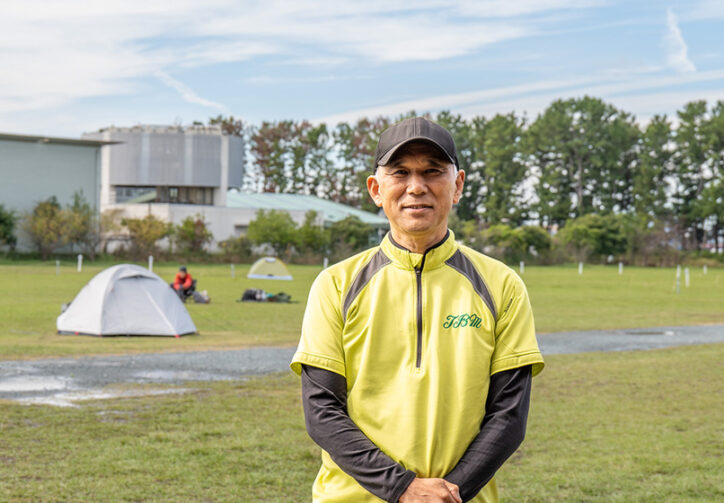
416	184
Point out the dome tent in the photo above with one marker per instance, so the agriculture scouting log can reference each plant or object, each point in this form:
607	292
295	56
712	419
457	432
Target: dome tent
269	268
126	299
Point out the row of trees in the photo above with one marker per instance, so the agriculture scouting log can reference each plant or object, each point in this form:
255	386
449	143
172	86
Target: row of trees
592	237
578	157
77	227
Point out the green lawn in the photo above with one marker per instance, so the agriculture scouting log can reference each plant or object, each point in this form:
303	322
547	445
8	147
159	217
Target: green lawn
562	300
607	427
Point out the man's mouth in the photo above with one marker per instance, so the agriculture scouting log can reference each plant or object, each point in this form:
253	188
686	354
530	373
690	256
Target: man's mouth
417	206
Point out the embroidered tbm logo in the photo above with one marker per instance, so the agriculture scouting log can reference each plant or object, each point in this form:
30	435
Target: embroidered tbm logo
462	320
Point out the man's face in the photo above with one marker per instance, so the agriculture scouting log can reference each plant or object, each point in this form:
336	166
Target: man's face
182	274
417	190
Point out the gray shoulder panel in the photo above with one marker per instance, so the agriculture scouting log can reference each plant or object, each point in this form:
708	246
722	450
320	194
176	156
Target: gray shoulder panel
464	266
378	261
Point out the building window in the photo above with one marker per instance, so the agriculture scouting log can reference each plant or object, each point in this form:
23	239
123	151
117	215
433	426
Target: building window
125	193
173	195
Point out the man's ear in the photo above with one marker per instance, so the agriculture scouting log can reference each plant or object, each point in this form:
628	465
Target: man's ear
373	187
459	183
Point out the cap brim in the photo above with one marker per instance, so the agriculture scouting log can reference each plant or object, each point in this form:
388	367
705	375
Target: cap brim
386	158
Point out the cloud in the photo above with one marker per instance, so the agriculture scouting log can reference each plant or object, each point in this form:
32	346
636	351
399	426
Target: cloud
187	93
707	9
676	48
54	53
506	8
534	98
264	80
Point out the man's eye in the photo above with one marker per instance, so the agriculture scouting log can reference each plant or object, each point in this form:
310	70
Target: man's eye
399	172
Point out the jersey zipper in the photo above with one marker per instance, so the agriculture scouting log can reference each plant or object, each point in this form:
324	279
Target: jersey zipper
418	278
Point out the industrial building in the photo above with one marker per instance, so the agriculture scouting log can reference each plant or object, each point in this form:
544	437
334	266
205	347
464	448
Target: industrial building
171	172
180	165
35	168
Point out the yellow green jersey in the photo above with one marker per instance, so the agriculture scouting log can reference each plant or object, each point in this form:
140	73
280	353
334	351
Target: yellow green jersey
417	337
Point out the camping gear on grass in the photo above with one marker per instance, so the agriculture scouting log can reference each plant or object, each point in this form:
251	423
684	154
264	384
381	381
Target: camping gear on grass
269	268
259	295
201	297
126	300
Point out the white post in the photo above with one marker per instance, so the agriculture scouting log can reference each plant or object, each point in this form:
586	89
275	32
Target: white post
232	271
326	262
57	267
678	278
80	262
686	277
150	263
705	269
580	268
620	268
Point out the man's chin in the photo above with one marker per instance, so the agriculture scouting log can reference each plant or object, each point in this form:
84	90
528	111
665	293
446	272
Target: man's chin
418	228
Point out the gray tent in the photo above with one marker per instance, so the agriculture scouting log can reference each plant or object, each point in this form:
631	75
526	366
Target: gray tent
126	300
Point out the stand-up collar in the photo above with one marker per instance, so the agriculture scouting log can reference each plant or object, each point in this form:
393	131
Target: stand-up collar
433	257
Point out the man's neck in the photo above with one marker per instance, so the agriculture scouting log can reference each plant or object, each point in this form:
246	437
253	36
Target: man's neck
418	244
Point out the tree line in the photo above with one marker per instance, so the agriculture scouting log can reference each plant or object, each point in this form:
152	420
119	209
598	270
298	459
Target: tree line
77	227
579	157
583	180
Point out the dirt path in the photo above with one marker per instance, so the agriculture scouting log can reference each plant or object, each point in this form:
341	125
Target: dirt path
66	381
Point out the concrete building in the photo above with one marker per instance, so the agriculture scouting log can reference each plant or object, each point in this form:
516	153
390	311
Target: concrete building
241	208
193	165
35	168
170	172
174	172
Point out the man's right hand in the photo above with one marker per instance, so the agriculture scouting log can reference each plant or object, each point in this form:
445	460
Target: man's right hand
431	491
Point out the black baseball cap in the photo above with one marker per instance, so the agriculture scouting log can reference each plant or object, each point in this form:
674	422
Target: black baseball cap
182	268
414	129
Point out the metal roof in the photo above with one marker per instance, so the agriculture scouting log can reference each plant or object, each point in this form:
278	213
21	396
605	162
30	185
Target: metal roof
333	212
55	140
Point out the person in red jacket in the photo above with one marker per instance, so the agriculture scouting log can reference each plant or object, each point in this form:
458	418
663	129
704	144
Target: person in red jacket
183	283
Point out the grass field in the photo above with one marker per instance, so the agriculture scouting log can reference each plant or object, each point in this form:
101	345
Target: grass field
614	427
606	427
562	300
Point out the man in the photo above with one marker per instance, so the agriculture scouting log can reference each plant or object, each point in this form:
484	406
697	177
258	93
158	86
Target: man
416	356
183	284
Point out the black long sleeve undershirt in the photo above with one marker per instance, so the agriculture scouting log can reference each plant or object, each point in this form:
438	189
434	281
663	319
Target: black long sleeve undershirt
501	432
324	396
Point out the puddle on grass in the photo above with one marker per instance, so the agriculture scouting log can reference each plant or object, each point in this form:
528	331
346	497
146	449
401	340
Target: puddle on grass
32	384
178	375
650	332
69	399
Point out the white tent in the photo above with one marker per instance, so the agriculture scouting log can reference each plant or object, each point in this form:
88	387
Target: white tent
269	268
126	300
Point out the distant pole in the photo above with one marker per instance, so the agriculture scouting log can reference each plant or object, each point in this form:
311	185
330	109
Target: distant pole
686	277
522	267
232	271
580	268
705	269
678	279
326	262
80	262
620	268
150	263
57	267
